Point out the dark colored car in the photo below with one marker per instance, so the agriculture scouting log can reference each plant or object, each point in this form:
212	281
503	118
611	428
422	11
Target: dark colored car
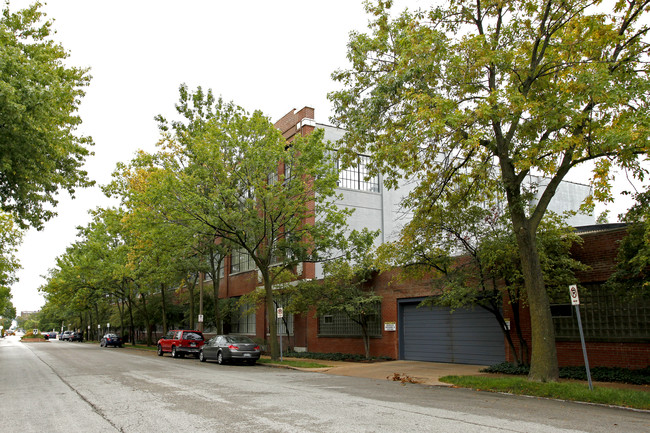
181	342
65	335
226	348
76	336
111	340
48	335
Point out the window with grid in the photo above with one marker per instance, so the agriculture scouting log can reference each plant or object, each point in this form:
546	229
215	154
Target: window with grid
241	261
605	317
340	325
357	177
243	321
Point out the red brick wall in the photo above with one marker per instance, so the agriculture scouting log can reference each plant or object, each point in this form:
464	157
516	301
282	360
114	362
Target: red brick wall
392	289
599	251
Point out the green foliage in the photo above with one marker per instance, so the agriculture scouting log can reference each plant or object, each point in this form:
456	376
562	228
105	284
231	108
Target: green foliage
473	97
39	97
343	288
599	374
227	175
293	363
631	278
562	391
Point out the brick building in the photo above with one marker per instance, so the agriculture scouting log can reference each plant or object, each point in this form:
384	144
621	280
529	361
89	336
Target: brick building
403	330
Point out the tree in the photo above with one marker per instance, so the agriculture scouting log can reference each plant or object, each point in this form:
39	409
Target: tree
631	277
234	178
39	97
343	288
472	260
10	239
479	93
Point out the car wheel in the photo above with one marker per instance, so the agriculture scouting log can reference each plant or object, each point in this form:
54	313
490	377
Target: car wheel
220	358
160	352
202	356
101	344
174	354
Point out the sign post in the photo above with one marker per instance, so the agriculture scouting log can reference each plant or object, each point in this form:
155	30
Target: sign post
575	301
279	313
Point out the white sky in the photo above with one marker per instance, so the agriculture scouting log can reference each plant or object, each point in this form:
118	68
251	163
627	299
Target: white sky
268	55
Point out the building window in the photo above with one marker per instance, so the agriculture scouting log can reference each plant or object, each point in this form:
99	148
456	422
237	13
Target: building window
221	271
605	317
243	321
241	261
357	177
340	325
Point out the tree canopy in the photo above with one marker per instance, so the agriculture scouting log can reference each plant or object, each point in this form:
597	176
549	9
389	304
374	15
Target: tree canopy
476	93
231	177
39	97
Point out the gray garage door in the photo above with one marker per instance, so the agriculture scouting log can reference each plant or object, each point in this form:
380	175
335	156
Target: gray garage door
464	336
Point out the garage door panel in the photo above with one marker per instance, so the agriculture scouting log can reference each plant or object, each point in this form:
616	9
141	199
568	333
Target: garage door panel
464	336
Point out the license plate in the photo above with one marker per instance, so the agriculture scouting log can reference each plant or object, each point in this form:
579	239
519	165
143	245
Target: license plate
247	355
192	344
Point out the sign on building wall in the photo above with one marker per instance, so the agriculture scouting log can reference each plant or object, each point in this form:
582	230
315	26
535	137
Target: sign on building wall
390	326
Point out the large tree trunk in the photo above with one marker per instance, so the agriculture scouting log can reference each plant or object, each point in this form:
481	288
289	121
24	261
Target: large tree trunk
190	289
164	308
131	322
544	365
147	322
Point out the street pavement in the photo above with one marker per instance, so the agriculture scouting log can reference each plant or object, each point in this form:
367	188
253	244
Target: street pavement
426	373
64	387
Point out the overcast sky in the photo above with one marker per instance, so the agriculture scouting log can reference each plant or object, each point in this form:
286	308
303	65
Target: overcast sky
268	55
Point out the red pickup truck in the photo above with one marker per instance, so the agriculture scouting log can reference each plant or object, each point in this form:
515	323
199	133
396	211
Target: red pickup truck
180	342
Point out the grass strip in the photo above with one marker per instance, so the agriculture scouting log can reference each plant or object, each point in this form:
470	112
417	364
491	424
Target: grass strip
293	363
558	390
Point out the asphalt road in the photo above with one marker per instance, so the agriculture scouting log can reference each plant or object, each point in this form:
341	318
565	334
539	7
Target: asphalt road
75	387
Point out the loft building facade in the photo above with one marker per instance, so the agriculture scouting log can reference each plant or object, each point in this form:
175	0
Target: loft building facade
402	329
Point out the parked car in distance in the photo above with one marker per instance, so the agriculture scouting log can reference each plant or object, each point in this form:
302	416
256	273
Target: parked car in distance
111	340
76	336
65	335
48	335
225	348
181	342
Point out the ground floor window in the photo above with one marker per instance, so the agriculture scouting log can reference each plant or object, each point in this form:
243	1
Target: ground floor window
341	325
243	320
606	316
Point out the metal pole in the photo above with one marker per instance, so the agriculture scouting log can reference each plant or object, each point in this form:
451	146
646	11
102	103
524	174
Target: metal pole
584	348
278	327
201	276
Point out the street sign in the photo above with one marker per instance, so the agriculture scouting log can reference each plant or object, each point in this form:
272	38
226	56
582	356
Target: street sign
573	292
390	326
575	301
279	313
200	318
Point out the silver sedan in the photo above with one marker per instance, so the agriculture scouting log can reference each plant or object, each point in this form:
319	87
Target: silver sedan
225	348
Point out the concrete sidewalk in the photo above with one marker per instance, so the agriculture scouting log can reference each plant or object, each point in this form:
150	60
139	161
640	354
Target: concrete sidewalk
427	373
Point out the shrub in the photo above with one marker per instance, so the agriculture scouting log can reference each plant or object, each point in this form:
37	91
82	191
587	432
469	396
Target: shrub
599	374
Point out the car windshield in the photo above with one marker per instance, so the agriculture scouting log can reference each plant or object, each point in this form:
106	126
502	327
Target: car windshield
110	336
239	339
192	336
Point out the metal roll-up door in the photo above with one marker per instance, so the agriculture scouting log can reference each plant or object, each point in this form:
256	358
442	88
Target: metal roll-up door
466	336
